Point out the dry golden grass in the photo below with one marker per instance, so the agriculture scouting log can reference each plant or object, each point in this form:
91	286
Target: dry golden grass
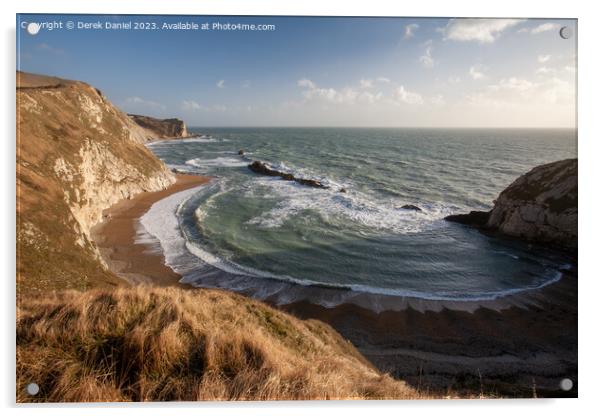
143	344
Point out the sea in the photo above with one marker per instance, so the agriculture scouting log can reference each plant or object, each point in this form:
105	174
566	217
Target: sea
286	242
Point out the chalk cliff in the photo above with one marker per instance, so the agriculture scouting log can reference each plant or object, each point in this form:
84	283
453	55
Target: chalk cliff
540	206
77	155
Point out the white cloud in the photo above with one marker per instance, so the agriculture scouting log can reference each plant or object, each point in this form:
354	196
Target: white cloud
409	30
348	96
438	100
512	84
50	49
246	84
383	79
188	105
477	72
523	93
559	91
454	80
311	91
427	60
366	83
345	95
545	27
221	83
370	98
569	68
408	97
543	58
141	102
544	70
191	105
306	83
479	30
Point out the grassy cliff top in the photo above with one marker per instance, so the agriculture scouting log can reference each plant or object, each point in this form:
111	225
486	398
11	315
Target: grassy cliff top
148	343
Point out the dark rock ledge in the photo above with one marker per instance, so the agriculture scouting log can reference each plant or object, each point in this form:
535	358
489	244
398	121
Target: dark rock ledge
263	169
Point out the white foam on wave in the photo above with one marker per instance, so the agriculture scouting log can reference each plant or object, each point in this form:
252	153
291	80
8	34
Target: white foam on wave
227	162
304	173
161	223
169	142
240	270
351	206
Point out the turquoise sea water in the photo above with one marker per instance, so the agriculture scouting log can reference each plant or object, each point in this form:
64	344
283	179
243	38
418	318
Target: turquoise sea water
272	238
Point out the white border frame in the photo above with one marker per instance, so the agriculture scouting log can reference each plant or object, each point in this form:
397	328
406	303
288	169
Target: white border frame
589	173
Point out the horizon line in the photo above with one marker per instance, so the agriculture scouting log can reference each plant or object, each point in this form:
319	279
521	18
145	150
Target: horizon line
387	127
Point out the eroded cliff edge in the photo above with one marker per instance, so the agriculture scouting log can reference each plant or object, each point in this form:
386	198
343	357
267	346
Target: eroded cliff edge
169	128
540	206
77	154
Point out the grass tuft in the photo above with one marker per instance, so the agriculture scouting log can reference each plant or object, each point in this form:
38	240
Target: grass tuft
162	344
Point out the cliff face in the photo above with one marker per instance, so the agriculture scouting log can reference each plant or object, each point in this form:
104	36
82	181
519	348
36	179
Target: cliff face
170	128
76	155
540	206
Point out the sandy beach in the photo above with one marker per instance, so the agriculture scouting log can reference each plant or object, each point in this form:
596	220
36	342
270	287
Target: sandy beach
116	235
501	347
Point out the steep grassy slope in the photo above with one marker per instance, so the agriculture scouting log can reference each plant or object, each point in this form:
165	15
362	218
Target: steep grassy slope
176	344
76	155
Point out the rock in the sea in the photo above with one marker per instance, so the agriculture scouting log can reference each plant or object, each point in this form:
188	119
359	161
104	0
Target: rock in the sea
309	182
473	218
540	206
263	169
343	190
241	152
260	167
411	207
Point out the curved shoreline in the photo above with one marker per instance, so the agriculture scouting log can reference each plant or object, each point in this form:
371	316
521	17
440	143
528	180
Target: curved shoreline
164	234
138	261
115	237
512	342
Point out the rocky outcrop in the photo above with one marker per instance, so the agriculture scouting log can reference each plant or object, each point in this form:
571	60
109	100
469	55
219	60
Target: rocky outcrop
411	207
263	169
77	154
473	218
540	206
161	129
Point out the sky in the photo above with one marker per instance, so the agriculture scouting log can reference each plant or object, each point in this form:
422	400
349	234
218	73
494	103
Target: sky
318	71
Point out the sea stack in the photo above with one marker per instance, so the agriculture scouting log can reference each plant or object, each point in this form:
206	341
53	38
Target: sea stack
540	207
